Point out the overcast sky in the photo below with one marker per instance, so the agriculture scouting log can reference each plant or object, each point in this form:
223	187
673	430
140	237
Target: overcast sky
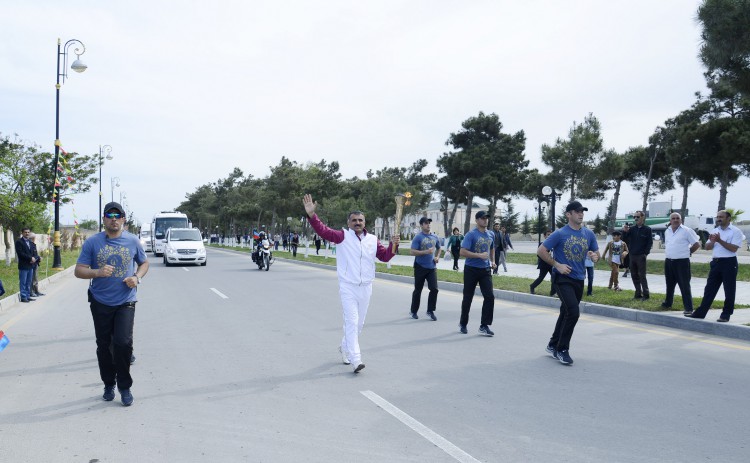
184	91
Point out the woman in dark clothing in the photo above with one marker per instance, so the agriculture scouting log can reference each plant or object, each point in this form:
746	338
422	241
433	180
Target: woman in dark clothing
544	269
454	244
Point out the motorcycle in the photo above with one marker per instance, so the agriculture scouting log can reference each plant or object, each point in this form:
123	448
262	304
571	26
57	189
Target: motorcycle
262	256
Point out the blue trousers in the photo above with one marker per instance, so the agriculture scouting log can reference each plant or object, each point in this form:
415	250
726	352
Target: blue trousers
25	275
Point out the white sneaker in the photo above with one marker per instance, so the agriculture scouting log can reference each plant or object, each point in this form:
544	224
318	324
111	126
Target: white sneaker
359	367
344	358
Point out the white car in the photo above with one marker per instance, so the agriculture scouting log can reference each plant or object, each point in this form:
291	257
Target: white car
184	246
146	240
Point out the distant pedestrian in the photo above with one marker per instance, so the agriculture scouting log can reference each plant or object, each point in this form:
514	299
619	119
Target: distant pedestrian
454	246
295	244
115	263
477	247
589	264
640	241
317	242
506	237
569	245
615	253
544	269
626	260
680	242
27	259
724	240
426	249
500	245
355	265
35	278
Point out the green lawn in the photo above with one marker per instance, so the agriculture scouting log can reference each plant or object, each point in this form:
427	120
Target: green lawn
9	275
601	295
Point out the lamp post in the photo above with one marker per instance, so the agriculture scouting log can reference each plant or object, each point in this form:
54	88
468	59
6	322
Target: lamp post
551	196
540	207
113	182
106	149
78	66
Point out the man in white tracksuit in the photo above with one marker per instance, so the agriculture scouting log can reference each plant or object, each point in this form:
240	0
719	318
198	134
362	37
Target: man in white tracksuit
356	252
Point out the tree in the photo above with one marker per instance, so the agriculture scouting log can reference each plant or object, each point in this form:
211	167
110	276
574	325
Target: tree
612	171
509	219
653	174
723	139
572	161
487	163
21	198
599	225
726	40
526	225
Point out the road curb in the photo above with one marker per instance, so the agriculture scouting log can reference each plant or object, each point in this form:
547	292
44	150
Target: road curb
652	318
11	301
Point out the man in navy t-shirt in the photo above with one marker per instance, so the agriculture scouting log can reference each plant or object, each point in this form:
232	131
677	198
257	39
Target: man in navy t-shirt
426	249
570	246
114	261
477	247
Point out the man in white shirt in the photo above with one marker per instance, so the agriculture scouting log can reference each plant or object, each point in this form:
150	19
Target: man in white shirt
680	242
725	240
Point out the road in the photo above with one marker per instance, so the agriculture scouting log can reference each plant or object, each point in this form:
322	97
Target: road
240	365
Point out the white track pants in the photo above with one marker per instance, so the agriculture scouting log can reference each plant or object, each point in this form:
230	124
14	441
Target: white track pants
354	302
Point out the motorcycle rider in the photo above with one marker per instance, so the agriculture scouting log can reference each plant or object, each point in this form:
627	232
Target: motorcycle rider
259	247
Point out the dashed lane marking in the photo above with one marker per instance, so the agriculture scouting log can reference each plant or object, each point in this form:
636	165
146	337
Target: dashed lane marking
433	437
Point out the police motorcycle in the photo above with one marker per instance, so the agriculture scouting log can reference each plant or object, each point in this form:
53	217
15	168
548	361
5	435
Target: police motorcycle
262	255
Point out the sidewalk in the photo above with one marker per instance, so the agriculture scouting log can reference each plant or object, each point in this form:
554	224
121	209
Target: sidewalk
657	284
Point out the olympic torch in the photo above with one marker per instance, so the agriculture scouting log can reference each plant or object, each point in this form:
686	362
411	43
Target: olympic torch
400	201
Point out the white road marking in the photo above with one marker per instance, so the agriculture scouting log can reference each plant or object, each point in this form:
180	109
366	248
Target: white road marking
219	293
420	429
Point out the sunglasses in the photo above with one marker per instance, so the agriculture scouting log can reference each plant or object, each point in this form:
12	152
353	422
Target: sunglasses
113	215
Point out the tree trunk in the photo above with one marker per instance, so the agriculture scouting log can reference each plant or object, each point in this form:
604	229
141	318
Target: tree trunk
683	206
723	186
572	191
469	201
7	247
648	181
613	213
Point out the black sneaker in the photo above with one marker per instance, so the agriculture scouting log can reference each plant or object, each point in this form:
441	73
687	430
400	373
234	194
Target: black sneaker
414	315
564	357
485	330
531	289
462	329
109	393
431	314
359	368
126	397
551	350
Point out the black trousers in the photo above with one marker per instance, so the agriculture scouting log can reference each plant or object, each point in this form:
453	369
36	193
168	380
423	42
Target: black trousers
456	255
570	292
113	326
638	274
544	269
483	277
677	272
723	272
420	275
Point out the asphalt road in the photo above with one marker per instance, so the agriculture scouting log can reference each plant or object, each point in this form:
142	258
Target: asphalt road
235	364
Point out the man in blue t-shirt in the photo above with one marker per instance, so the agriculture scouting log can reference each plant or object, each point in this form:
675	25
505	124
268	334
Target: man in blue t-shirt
426	249
569	245
115	263
477	247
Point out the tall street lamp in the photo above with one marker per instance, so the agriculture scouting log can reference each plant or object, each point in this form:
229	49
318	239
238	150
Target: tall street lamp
551	195
540	207
113	182
78	66
102	149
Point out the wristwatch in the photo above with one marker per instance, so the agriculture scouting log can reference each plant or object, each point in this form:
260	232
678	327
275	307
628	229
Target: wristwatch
138	278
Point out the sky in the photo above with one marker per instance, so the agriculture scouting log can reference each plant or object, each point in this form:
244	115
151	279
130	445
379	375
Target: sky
185	91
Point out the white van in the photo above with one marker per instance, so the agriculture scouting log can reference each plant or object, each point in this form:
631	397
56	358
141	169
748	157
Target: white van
146	237
184	246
